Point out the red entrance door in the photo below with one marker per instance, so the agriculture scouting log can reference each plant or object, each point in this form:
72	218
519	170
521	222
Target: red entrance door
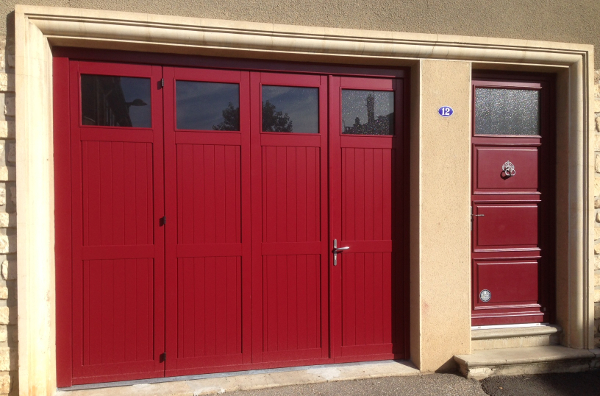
224	260
512	202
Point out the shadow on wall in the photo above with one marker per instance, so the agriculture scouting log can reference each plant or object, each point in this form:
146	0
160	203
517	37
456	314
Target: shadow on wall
10	36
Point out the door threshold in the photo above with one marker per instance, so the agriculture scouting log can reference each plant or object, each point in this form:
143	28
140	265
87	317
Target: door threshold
251	379
511	326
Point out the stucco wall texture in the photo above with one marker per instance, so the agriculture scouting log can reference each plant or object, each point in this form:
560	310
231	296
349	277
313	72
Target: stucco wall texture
575	21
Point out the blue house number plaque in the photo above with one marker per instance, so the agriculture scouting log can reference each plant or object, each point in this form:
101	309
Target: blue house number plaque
445	111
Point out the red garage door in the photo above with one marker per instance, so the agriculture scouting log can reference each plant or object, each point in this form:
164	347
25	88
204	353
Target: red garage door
205	208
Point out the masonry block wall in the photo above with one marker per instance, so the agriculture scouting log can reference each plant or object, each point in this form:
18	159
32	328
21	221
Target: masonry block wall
597	209
8	222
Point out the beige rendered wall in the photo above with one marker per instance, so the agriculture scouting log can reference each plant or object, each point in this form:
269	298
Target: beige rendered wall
557	20
440	237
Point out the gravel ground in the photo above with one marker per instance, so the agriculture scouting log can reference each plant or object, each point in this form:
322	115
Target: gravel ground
565	384
419	385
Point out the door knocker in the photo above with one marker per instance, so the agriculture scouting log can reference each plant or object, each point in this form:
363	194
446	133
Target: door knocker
508	170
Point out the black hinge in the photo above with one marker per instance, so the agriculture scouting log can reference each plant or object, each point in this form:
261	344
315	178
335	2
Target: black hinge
162	221
163	357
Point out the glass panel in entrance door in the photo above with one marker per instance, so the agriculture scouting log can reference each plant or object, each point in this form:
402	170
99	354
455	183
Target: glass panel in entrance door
500	111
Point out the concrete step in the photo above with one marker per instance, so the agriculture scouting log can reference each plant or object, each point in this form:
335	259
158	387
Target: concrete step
519	337
210	384
530	360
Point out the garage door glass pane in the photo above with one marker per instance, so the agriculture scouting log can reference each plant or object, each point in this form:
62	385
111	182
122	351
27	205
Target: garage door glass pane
208	106
290	109
367	112
507	111
115	101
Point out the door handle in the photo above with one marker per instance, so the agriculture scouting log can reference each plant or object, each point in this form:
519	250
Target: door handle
337	250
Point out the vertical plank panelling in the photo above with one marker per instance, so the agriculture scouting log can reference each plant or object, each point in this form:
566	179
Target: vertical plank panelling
369	192
130	310
387	296
117	193
348	299
302	303
366	216
378	194
129	189
291	194
362	282
291	302
313	193
209	212
291	283
385	212
210	300
121	292
379	279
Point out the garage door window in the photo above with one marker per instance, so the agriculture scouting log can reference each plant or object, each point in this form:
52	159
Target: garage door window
115	101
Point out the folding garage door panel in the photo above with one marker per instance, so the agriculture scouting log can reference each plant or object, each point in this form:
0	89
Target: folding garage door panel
208	251
362	157
117	244
292	215
206	155
290	207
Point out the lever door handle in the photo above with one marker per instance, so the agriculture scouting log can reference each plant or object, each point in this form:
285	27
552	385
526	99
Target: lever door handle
479	215
337	250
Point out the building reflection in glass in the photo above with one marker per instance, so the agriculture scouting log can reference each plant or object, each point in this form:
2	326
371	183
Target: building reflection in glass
367	112
116	101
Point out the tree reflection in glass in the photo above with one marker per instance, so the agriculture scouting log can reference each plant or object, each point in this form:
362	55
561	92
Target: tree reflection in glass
290	109
208	106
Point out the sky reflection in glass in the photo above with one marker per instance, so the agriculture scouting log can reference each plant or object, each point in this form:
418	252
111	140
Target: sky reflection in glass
296	109
208	106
